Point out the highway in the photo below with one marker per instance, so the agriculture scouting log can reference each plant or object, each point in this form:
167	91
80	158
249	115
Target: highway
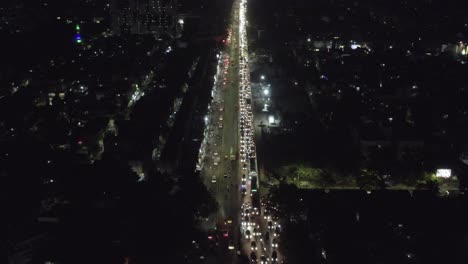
220	172
229	165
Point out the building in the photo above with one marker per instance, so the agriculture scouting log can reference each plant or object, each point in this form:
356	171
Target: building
157	17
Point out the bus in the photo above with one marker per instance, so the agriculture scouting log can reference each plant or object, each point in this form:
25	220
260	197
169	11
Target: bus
253	184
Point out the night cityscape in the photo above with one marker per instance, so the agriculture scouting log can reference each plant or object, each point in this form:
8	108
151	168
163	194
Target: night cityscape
234	131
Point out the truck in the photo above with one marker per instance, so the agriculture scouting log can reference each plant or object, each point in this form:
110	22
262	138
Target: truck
216	160
253	168
233	154
256	203
253	165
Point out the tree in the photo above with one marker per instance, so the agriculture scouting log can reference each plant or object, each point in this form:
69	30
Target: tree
368	179
327	178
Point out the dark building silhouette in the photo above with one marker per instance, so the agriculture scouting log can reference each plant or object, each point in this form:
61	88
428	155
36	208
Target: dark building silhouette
156	17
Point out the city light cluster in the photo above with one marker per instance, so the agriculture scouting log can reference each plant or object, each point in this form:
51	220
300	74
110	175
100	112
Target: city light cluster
221	67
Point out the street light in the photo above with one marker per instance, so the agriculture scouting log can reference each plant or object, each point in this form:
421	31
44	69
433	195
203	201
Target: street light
271	119
266	92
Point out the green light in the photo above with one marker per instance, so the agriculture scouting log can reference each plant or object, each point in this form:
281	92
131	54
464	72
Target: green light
78	41
77	27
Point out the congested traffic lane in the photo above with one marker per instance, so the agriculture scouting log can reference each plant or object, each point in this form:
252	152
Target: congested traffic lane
259	228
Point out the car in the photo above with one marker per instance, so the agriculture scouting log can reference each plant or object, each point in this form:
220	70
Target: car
220	118
213	179
212	235
247	211
243	183
276	217
270	225
248	235
274	243
243	190
231	245
277	231
267	236
253	245
263	259
246	221
263	246
225	175
253	257
243	212
256	232
274	256
220	126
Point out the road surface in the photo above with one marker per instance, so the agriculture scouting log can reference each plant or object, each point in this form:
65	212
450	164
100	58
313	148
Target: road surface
231	132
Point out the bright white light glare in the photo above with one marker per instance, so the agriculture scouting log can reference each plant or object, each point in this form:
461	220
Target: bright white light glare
271	119
262	77
443	173
309	40
354	46
266	92
181	21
